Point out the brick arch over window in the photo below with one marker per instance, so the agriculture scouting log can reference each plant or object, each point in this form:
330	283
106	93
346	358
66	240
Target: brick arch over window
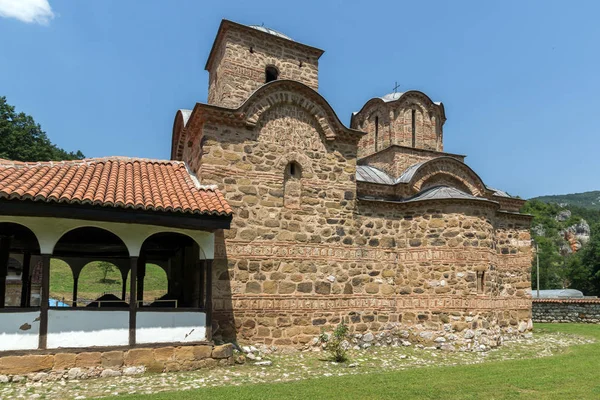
444	168
298	158
281	92
179	124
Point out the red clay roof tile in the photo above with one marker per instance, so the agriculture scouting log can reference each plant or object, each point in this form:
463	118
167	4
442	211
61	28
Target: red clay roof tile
156	185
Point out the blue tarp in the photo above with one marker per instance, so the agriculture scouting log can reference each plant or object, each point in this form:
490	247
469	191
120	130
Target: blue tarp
57	303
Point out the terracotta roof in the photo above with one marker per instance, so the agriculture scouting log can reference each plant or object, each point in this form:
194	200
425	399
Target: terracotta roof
152	185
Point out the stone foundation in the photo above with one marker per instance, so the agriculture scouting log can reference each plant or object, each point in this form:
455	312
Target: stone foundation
464	331
95	363
566	310
459	336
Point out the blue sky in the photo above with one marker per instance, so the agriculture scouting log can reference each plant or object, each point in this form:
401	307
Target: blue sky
520	80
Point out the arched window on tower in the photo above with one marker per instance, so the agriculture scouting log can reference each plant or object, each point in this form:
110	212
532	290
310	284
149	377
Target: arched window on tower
292	185
376	132
414	128
271	74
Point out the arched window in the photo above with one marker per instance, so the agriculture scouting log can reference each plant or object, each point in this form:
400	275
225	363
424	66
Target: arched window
93	255
292	185
480	282
99	284
170	274
271	74
19	250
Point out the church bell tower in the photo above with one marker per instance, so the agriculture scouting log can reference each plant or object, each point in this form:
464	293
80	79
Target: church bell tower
243	58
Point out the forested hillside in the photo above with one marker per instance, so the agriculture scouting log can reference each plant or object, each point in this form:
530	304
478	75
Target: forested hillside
590	200
569	245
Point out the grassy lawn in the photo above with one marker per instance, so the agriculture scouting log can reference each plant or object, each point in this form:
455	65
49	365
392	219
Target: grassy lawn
572	374
91	285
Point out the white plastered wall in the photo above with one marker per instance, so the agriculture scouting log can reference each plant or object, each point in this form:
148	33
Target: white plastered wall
170	327
19	330
83	328
49	231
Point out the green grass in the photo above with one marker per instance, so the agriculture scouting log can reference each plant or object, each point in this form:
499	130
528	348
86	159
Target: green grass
573	374
91	285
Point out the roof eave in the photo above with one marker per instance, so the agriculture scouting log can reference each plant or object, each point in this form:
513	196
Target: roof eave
445	200
208	221
391	147
225	23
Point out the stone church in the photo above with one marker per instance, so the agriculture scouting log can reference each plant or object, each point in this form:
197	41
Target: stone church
373	224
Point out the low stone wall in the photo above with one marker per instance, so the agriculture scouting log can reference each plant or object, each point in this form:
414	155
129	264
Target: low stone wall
89	364
566	310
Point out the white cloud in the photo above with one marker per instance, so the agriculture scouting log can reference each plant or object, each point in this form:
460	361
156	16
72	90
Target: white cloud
29	11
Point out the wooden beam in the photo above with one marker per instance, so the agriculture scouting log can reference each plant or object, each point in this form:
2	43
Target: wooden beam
114	214
132	299
45	301
4	257
26	280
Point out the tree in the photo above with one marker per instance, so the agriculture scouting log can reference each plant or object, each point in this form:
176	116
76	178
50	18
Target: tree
590	259
106	268
22	139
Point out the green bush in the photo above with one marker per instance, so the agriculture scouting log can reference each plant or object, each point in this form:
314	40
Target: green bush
336	343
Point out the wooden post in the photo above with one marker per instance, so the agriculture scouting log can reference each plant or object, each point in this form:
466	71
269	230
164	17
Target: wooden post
45	301
209	300
201	283
124	287
75	288
26	280
133	264
4	256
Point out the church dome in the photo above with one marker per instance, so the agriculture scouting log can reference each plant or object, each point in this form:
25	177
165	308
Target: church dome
270	31
392	96
396	95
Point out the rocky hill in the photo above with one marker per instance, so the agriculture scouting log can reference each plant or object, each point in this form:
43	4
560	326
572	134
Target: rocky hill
568	238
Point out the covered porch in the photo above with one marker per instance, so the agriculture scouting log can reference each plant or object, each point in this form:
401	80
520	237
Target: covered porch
34	236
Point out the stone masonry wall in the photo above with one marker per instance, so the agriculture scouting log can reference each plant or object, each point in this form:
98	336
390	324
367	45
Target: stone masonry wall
284	273
242	55
396	160
566	310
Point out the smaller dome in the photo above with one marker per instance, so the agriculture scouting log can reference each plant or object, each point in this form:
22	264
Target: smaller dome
270	31
395	96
